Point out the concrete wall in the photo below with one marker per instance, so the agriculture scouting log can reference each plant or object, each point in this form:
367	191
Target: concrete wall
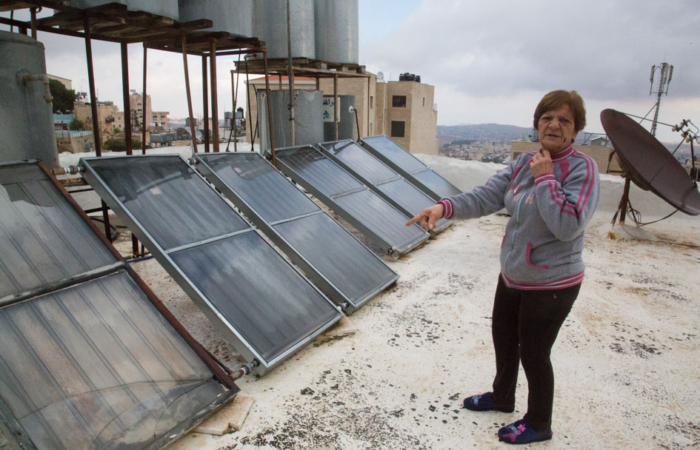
83	112
601	155
75	143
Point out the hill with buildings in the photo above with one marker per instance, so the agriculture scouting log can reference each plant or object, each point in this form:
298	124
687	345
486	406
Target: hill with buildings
480	132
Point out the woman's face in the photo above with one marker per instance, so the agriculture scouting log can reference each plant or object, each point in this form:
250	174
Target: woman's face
556	129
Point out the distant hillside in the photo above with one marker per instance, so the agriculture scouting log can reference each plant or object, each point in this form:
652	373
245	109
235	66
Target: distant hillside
481	132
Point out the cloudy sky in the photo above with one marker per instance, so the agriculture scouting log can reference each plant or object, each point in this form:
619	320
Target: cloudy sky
490	62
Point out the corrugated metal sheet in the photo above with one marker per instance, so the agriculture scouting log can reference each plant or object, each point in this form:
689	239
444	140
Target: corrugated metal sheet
347	196
328	254
337	35
308	117
230	16
270	25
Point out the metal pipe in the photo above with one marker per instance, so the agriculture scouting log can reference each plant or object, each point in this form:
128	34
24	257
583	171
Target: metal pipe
93	109
189	94
290	77
269	110
249	123
127	120
233	113
48	98
205	101
335	105
33	15
145	96
214	95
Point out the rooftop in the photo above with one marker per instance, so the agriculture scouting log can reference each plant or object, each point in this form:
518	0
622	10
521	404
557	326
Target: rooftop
623	360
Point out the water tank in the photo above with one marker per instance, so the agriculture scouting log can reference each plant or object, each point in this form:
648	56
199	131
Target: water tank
346	118
231	16
337	35
308	115
26	118
167	8
270	25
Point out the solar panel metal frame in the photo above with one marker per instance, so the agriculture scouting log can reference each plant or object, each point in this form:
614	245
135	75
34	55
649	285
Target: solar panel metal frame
10	425
377	240
446	224
242	346
315	274
410	176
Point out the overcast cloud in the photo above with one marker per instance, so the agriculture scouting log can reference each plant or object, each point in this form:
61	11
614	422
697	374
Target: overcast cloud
490	62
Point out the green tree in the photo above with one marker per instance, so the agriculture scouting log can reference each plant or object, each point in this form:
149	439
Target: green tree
63	98
76	125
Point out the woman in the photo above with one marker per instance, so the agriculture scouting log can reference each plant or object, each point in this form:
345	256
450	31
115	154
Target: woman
550	195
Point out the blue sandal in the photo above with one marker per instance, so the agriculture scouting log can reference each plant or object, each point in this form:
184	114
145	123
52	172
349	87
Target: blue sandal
520	432
485	402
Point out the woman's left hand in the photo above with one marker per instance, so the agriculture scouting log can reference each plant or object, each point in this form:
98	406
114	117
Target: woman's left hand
541	163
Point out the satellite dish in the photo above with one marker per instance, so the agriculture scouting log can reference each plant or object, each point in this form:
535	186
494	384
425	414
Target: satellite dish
649	164
380	77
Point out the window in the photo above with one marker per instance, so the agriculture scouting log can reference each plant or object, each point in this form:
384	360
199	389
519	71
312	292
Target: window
398	101
398	128
371	102
423	101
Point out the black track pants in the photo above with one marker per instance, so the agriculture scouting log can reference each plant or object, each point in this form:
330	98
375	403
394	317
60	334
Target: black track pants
525	326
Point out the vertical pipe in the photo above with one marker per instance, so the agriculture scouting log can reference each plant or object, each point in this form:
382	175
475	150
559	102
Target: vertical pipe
214	95
269	109
127	121
205	99
233	109
249	123
335	105
369	86
318	83
189	94
290	76
145	65
95	120
33	15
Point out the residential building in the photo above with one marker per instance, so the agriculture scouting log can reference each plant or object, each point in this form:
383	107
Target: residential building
64	81
108	116
603	156
413	116
156	121
406	112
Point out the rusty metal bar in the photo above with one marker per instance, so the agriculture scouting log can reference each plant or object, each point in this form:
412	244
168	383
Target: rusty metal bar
205	100
203	354
33	15
127	120
234	90
249	122
95	119
335	105
143	130
189	94
624	201
369	88
290	77
214	95
269	109
318	83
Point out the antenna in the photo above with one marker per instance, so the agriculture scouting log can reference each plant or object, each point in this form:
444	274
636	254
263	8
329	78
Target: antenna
665	74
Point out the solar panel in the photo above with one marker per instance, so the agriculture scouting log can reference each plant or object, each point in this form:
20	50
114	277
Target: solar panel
265	307
329	255
409	167
86	358
348	197
382	179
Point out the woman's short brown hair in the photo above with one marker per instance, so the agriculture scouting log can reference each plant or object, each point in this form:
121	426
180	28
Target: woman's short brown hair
556	99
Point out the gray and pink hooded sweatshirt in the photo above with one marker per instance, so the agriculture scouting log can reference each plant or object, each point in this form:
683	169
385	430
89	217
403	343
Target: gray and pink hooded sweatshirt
544	238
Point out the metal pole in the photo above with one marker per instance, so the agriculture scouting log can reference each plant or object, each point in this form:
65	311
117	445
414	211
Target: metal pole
205	99
95	120
143	131
127	121
214	94
189	94
33	15
369	86
249	123
233	112
624	201
269	109
290	76
335	105
662	81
